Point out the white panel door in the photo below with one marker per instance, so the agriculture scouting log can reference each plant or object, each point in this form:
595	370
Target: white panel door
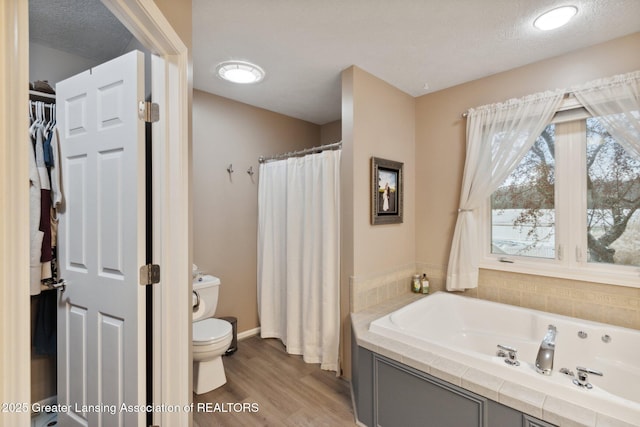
101	329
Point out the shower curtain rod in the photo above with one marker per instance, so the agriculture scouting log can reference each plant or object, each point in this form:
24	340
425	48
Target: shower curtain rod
318	149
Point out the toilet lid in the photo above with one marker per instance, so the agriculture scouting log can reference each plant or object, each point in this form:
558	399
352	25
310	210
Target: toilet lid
208	330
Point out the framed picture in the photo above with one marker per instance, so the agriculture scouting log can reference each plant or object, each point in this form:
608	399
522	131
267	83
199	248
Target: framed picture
386	191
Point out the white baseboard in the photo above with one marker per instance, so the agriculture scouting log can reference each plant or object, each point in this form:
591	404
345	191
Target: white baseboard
247	334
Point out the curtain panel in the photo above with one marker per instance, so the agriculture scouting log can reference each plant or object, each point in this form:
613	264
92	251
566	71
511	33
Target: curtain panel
615	102
299	255
498	137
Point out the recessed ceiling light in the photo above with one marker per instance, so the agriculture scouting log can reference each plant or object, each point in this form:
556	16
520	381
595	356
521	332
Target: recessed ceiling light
240	72
555	18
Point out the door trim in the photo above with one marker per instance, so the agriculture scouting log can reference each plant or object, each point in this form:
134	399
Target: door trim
15	321
172	331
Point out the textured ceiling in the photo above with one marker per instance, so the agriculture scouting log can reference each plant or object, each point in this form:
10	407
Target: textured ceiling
304	45
83	27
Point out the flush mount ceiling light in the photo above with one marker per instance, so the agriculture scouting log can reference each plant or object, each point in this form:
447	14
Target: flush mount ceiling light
240	72
555	18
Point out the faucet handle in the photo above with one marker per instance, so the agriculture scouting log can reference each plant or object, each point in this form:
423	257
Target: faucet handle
583	377
585	371
507	348
511	357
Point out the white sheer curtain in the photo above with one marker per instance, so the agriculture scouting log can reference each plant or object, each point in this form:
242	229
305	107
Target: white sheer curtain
299	255
616	103
498	137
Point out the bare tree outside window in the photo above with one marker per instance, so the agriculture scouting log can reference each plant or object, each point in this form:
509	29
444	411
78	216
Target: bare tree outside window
523	208
613	199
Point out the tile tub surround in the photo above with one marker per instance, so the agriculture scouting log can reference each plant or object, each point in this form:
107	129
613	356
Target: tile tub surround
598	302
371	290
517	396
615	305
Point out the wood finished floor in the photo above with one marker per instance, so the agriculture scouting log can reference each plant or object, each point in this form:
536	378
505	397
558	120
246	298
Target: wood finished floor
287	391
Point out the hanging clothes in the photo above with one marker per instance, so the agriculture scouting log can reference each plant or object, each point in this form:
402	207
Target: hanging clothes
45	195
45	205
54	171
44	331
36	235
45	198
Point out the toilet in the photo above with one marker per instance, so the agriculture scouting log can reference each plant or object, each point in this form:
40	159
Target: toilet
211	337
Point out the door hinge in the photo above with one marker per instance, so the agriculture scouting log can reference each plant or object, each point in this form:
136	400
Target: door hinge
148	112
149	274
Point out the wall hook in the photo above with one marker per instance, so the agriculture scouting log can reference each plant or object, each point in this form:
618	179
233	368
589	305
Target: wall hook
230	169
250	171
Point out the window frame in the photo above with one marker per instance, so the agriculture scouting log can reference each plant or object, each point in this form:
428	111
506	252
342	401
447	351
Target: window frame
571	256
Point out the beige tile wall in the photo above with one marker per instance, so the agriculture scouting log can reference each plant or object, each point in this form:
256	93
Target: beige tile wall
370	290
616	305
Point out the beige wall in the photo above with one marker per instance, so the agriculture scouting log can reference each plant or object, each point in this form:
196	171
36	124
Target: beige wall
383	126
178	13
377	121
331	132
440	151
225	208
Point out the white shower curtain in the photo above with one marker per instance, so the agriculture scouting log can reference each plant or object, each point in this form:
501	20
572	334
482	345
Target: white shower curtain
299	255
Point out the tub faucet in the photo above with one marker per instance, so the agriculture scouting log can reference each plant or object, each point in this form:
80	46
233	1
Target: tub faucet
544	360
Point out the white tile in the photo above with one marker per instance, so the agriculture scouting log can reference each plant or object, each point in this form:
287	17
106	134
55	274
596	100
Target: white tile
522	398
448	370
605	421
482	383
563	413
391	348
419	359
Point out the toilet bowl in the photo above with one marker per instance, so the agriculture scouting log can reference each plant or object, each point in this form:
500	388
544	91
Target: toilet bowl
211	337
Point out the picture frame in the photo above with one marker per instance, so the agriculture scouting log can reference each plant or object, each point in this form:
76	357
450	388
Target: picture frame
386	191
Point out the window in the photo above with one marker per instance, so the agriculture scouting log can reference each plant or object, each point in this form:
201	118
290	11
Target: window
613	199
523	208
571	208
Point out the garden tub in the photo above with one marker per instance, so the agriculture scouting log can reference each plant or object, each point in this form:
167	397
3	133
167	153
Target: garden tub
469	330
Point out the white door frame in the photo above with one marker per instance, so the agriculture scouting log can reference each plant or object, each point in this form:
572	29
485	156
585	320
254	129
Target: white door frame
172	297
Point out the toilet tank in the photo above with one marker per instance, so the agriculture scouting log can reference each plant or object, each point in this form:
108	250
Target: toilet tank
205	289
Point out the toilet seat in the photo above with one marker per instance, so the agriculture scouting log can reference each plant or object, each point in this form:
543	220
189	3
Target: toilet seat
210	331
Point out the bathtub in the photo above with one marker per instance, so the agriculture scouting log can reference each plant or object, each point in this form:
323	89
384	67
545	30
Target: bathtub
468	330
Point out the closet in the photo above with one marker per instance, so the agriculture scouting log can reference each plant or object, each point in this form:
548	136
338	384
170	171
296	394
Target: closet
45	198
66	38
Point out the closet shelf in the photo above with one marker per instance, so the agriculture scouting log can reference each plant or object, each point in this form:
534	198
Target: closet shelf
34	95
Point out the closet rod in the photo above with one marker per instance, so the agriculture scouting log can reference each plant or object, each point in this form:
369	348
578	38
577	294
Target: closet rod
34	95
317	149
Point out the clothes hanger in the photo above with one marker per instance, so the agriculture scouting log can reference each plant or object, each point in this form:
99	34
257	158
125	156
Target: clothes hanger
34	125
49	123
40	113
